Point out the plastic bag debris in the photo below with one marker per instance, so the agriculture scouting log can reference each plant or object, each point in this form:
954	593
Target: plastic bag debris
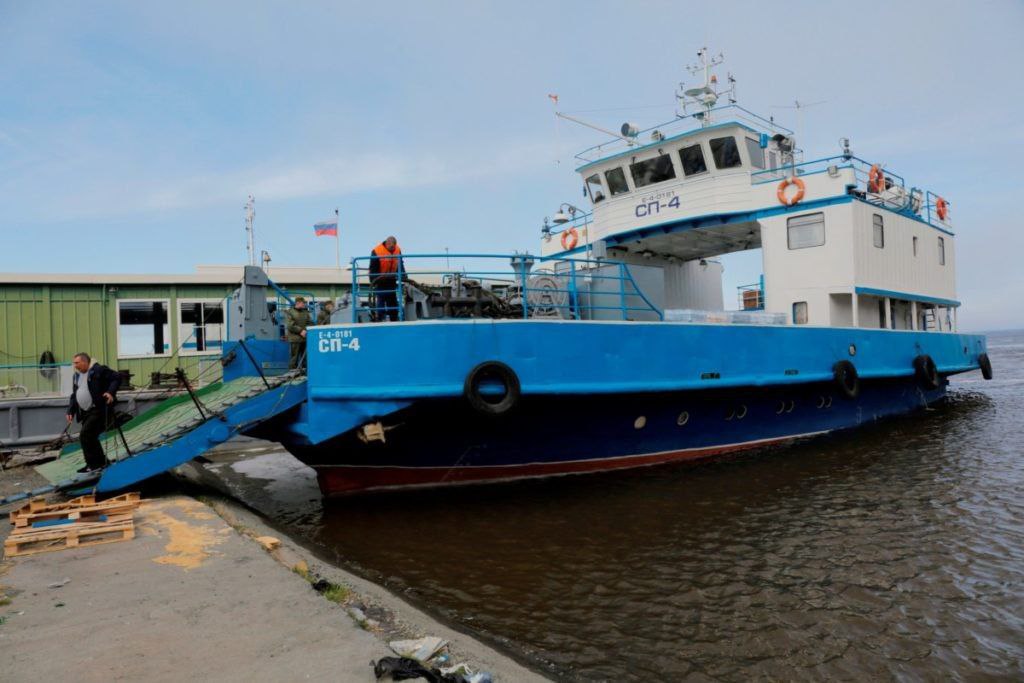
403	668
421	649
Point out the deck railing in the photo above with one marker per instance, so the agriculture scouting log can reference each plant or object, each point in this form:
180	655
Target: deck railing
894	195
431	286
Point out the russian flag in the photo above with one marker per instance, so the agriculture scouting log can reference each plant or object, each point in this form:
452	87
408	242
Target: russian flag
326	228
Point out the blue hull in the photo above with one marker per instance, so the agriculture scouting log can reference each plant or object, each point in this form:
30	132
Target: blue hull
595	395
443	441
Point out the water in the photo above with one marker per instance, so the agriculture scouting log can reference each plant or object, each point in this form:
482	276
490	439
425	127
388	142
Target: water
893	551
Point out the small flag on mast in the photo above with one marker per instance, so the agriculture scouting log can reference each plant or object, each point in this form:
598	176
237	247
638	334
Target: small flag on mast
329	228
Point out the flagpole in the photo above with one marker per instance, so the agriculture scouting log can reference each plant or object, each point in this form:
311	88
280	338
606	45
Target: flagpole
337	238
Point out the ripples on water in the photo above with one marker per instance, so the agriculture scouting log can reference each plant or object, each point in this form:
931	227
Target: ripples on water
893	551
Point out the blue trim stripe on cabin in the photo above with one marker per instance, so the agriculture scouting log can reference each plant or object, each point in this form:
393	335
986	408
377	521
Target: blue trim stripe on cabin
717	220
871	291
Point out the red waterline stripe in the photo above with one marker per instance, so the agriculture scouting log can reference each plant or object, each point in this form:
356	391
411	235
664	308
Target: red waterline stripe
336	480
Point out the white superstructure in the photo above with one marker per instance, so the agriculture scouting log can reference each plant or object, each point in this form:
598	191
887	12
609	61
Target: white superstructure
845	242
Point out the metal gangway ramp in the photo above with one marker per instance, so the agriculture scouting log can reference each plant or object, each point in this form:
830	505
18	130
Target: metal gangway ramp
174	432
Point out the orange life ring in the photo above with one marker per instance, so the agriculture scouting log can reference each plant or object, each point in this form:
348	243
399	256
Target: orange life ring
781	193
941	208
570	238
876	179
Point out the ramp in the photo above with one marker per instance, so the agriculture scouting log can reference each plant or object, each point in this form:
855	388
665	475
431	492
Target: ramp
178	430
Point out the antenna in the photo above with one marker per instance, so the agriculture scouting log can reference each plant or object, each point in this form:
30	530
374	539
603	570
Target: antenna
800	106
250	229
706	95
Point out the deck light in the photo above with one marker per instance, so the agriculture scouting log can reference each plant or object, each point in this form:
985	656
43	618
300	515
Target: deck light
560	218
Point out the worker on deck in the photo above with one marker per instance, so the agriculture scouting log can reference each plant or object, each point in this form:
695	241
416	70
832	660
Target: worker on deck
324	317
296	320
385	268
93	393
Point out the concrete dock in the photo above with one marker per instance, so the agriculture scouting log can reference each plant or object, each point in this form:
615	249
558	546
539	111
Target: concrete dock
196	596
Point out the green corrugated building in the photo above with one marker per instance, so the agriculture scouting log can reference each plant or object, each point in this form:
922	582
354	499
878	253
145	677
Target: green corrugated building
139	323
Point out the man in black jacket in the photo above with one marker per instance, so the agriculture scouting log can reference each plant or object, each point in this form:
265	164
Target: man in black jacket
92	402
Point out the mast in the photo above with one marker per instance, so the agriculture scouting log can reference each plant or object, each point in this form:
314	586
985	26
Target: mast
250	229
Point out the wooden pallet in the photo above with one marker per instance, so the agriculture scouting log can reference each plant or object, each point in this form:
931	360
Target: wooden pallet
83	506
40	527
77	535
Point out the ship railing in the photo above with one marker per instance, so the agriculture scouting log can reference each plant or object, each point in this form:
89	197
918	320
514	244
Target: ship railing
435	286
751	297
580	221
680	124
895	195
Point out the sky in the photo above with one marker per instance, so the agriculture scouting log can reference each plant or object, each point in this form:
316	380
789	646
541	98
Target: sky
132	133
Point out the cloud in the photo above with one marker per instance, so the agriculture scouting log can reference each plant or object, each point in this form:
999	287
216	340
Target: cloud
118	191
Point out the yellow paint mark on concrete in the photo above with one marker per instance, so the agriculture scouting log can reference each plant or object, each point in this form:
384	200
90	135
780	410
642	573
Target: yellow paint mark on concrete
188	545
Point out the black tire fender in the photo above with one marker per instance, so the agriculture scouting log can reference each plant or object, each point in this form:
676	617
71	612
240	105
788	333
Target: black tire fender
986	365
492	370
926	372
844	374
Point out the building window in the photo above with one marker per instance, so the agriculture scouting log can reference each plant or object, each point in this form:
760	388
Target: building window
942	252
650	171
142	329
725	153
879	231
806	231
799	312
616	179
914	244
693	160
201	326
755	153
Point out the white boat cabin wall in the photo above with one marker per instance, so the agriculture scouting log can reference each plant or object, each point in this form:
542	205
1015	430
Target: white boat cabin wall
844	243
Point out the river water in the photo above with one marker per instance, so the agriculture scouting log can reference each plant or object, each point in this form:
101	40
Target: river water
894	551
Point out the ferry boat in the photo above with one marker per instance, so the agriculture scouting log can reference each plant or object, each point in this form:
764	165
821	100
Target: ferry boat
612	348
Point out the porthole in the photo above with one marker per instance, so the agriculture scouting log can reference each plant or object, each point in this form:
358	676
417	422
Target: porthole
853	349
781	409
821	402
790	406
828	401
741	413
683	418
640	422
731	414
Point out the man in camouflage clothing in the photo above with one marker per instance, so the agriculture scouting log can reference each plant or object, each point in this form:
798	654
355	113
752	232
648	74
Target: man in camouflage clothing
324	318
296	320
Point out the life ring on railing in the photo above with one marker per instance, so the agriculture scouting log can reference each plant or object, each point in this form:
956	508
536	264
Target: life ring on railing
781	193
876	179
941	208
570	238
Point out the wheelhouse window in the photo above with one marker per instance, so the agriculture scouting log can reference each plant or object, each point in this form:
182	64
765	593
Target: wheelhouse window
805	231
942	252
142	329
594	188
799	312
201	326
692	158
914	244
650	171
725	153
755	153
616	179
878	231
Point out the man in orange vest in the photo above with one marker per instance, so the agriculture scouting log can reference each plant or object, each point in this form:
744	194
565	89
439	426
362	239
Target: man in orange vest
386	267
